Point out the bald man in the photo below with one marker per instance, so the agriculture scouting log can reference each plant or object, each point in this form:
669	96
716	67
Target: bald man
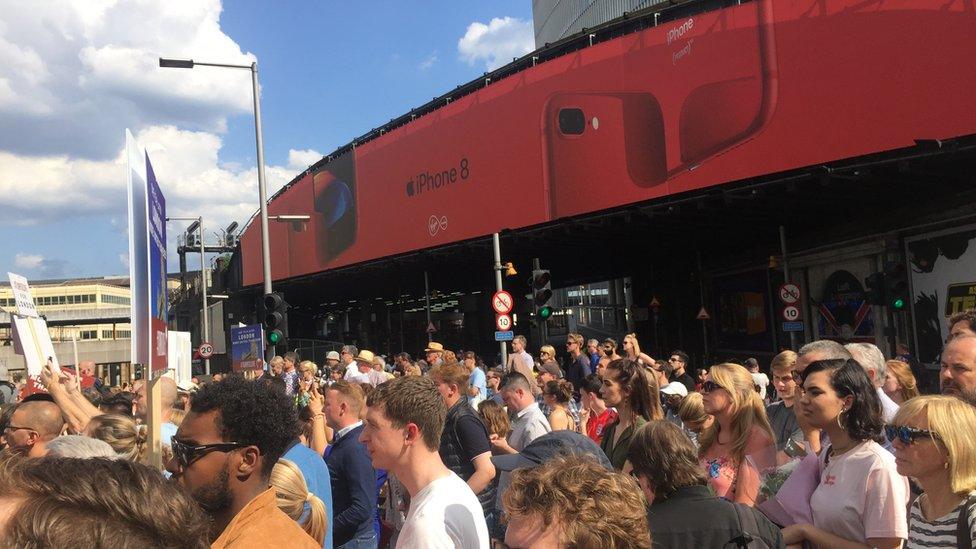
32	426
168	396
958	374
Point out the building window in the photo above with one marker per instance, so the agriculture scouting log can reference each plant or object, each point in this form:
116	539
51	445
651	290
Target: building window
88	334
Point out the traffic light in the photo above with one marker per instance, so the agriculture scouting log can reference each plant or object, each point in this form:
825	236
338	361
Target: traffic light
275	312
896	286
874	286
542	293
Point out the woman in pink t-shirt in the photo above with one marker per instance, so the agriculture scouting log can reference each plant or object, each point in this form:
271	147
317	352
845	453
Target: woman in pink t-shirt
861	500
740	429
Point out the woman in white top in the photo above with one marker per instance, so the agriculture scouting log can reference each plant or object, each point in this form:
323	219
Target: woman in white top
935	444
861	499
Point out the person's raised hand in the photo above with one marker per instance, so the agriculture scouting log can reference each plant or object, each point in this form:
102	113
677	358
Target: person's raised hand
316	401
49	377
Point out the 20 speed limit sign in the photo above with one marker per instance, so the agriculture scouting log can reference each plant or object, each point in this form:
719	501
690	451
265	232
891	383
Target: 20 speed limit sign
206	350
791	313
503	322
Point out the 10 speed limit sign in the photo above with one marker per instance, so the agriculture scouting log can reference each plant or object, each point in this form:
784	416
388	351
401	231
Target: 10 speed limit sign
503	322
791	313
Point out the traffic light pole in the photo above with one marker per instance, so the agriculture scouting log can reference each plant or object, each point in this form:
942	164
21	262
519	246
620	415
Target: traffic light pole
498	286
543	325
786	274
205	331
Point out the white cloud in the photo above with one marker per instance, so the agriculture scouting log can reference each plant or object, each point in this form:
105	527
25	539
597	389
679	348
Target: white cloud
124	260
38	266
428	62
299	160
28	261
497	42
75	73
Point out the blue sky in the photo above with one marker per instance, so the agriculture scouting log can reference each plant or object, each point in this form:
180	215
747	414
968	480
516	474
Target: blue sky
71	81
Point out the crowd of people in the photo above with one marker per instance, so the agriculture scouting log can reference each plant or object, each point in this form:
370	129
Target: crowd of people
830	446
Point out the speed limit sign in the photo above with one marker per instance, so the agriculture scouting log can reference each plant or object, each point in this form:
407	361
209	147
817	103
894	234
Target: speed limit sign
206	350
791	313
503	322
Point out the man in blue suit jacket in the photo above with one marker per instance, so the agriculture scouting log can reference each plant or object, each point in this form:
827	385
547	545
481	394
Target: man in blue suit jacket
350	468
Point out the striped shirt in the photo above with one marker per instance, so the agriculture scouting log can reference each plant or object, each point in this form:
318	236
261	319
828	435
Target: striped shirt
941	532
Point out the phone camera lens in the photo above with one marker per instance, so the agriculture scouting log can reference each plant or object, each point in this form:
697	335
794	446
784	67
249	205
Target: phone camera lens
571	121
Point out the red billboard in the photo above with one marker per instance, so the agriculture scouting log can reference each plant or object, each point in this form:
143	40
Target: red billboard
721	96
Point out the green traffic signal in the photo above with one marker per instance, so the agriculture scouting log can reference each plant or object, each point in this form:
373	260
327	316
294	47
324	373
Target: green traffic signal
545	312
274	337
898	304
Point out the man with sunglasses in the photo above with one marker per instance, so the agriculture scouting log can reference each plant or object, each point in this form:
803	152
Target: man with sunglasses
32	425
679	364
223	454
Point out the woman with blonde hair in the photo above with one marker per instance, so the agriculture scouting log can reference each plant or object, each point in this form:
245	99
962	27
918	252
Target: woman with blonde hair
935	443
292	494
632	351
899	382
740	429
693	416
307	370
121	432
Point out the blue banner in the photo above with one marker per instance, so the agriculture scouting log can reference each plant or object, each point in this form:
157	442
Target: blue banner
247	347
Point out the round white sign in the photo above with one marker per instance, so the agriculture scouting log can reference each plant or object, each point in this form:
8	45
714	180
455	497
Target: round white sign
206	350
789	293
791	313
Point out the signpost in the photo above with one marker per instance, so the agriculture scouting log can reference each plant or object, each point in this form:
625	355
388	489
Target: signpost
791	313
504	336
703	314
789	293
206	349
502	302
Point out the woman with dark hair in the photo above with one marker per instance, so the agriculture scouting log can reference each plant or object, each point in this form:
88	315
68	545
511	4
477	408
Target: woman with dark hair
637	399
861	499
556	395
665	462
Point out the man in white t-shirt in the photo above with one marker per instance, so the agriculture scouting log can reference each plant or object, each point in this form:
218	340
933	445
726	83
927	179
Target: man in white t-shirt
402	434
759	379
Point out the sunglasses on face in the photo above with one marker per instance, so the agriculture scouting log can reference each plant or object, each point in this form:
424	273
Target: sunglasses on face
908	435
186	454
709	386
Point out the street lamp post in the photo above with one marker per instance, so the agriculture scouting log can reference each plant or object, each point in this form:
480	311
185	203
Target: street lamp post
262	188
198	224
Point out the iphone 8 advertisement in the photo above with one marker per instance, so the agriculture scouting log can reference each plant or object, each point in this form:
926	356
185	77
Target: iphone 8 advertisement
755	89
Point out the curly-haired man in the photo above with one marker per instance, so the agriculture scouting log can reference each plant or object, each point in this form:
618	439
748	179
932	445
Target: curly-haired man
223	454
575	502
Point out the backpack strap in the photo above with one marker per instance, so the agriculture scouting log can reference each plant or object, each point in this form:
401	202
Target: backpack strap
748	526
964	538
